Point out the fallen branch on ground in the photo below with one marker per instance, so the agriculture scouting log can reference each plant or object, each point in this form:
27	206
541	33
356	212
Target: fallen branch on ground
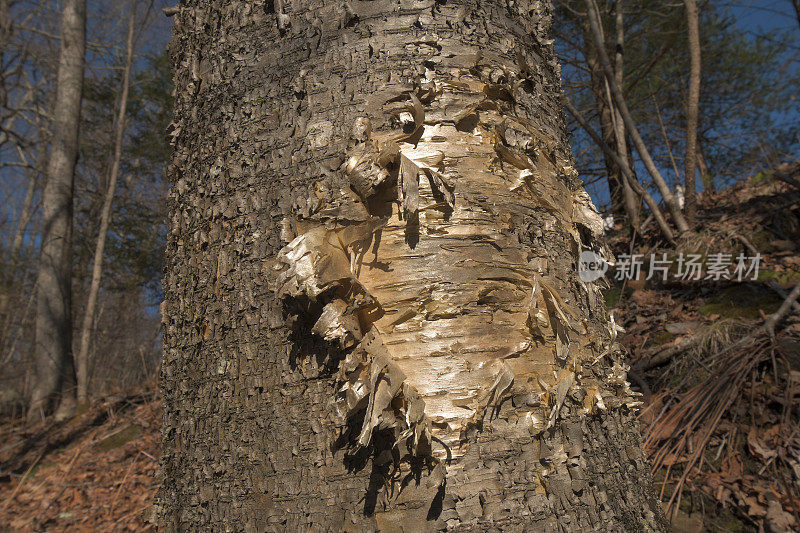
664	354
689	425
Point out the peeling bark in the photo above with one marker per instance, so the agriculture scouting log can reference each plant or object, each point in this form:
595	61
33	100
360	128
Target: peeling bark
373	319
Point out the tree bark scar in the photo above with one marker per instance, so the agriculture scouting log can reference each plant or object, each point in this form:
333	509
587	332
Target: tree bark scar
437	333
373	318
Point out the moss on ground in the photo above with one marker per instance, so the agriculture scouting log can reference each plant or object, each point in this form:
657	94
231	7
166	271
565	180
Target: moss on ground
663	337
612	295
742	301
789	277
119	438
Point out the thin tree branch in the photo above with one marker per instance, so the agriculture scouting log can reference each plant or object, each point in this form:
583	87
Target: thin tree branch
626	173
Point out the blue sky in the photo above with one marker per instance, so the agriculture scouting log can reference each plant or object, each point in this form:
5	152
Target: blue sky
765	15
754	18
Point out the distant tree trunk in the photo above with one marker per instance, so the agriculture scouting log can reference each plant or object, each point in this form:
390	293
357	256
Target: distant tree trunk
54	369
20	267
5	25
372	315
624	203
5	35
705	172
10	274
797	9
25	214
692	110
636	138
631	200
82	361
627	173
613	174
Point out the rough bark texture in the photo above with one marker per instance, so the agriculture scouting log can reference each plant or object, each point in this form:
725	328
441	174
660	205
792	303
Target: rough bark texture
53	346
372	315
690	161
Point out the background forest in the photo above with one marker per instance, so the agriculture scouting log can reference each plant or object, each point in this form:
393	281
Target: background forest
746	117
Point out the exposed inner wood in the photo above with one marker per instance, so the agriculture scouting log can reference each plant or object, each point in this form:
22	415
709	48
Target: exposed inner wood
371	280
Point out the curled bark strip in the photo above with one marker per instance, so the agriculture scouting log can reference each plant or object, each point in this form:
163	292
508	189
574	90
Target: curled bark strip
418	116
317	264
409	179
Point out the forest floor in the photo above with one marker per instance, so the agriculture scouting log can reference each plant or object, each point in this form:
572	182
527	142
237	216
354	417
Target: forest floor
720	414
96	472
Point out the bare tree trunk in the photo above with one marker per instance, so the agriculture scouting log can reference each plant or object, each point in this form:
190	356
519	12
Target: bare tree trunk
82	361
619	100
5	25
5	35
55	373
630	197
25	214
604	115
705	172
372	316
692	110
627	174
797	9
10	276
623	200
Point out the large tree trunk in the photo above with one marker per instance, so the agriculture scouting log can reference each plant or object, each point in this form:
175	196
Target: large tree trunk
82	360
373	318
53	346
